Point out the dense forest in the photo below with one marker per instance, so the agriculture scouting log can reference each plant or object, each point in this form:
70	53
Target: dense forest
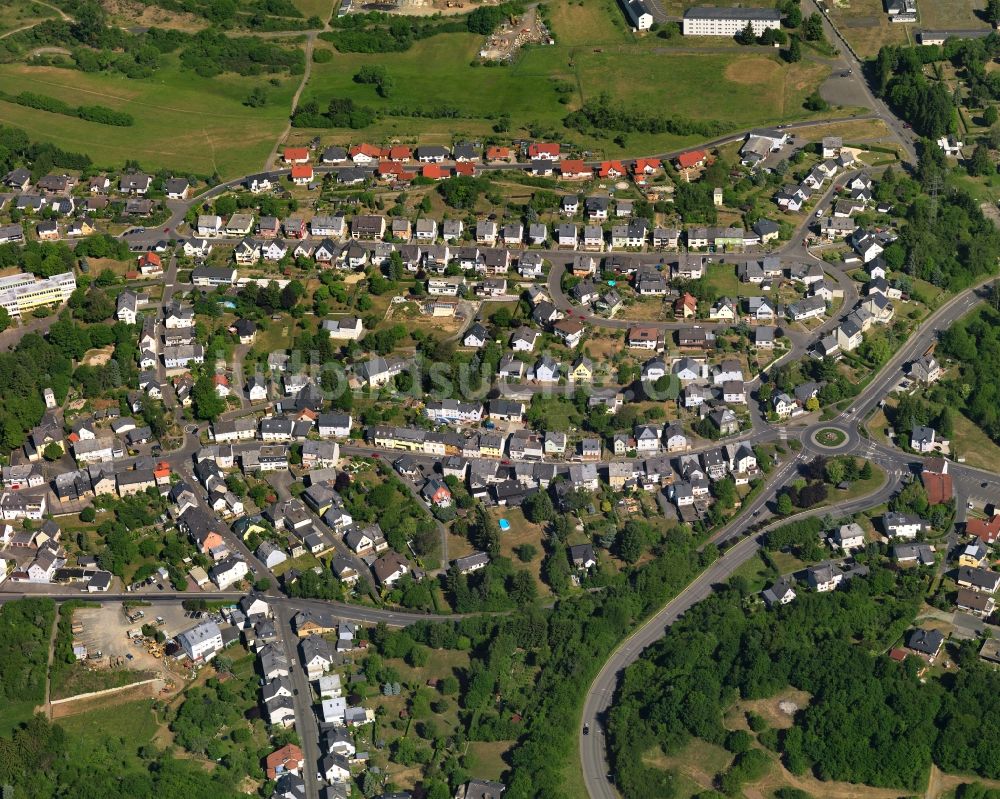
25	626
975	343
40	762
945	238
870	720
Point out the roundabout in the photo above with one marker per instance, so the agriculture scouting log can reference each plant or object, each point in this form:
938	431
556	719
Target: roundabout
830	438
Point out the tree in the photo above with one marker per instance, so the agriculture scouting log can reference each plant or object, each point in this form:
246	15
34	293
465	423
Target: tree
980	164
992	12
794	52
746	36
793	15
812	28
990	114
629	544
814	102
257	97
4	319
538	508
52	451
784	504
207	404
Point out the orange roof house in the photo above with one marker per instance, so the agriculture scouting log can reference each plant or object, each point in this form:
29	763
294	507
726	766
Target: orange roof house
498	153
435	172
611	169
646	166
986	531
296	155
150	261
287	760
685	306
573	170
465	168
302	173
939	487
400	153
543	150
691	159
368	150
393	170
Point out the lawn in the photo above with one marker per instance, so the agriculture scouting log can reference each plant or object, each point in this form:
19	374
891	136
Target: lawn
13	714
182	122
133	723
741	88
973	444
522	532
315	8
488	759
722	280
756	573
952	14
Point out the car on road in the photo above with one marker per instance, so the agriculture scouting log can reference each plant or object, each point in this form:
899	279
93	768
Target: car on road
586	729
983	485
376	454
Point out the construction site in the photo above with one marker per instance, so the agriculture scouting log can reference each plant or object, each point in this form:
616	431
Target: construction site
516	32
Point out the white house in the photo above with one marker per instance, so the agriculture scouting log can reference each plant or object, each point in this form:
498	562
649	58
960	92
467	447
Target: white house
202	642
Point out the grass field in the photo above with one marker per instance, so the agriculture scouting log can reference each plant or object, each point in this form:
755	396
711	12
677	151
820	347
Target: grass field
742	88
973	444
315	8
16	14
952	14
866	26
182	122
13	714
133	723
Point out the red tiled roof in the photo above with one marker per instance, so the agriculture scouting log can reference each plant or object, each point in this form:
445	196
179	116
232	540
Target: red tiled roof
289	757
497	153
400	153
366	149
642	164
296	154
465	168
938	486
607	167
436	172
574	168
985	531
302	171
149	259
691	158
542	148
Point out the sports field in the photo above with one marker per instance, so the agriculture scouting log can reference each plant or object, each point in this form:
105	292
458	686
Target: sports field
182	122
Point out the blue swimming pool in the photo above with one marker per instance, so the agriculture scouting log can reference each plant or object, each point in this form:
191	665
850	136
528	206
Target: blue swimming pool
504	524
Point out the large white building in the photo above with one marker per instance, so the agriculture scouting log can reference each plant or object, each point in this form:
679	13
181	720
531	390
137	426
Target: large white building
201	642
711	21
22	293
